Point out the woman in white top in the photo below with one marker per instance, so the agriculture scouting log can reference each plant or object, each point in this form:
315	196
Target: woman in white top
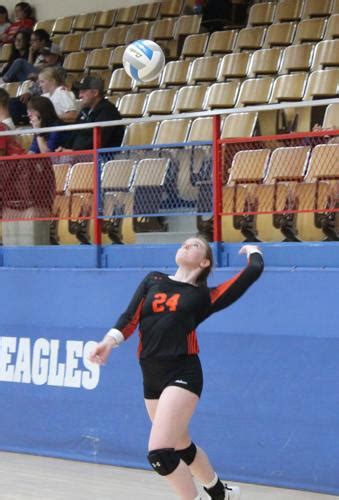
52	85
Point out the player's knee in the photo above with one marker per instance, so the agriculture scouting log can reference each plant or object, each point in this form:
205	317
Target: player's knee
164	461
188	454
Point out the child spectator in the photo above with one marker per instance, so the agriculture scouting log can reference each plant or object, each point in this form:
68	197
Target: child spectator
24	20
4	19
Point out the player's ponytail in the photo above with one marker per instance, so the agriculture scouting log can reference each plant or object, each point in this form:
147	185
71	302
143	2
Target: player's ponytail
202	278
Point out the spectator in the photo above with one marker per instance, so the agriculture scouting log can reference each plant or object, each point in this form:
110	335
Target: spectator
20	52
4	19
95	108
52	86
41	114
5	116
24	20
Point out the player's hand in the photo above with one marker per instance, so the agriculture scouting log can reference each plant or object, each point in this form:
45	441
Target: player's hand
102	351
248	249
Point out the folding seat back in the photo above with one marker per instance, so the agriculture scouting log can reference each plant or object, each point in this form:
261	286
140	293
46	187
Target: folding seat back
297	58
120	81
314	8
203	69
310	30
239	125
288	10
160	102
194	45
46	25
187	25
221	42
265	62
222	95
148	11
132	105
171	8
332	29
126	15
83	22
115	36
71	43
104	19
189	99
137	134
139	31
331	118
98	59
92	40
175	74
326	54
233	66
322	84
250	38
75	62
163	29
279	35
173	131
261	14
289	87
255	91
201	129
62	25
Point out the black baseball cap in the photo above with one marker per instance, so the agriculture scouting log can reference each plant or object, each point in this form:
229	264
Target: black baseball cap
92	82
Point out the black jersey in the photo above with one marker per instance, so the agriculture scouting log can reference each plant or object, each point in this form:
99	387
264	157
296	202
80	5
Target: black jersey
169	311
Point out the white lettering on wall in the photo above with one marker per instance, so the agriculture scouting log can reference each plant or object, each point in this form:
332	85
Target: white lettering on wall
48	362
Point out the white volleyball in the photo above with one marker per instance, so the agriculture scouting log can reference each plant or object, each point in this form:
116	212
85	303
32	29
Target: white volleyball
143	60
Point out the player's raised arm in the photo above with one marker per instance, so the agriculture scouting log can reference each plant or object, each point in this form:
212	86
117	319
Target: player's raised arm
228	292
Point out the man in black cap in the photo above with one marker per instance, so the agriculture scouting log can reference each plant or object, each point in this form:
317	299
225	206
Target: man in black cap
95	108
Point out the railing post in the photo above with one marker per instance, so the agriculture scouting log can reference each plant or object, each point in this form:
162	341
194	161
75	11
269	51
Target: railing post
96	186
217	180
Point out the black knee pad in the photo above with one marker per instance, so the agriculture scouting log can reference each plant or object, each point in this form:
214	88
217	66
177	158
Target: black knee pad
163	461
188	454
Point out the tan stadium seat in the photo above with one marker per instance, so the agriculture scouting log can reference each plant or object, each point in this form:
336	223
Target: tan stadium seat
171	8
163	29
83	22
261	14
201	129
335	7
138	31
12	88
5	52
331	118
250	38
120	82
194	45
115	60
132	105
222	95
234	66
75	62
173	131
255	91
148	11
221	42
189	99
322	84
116	183
24	87
160	102
98	59
92	40
288	10
104	19
61	199
46	25
139	134
175	74
319	192
265	62
297	58
126	15
279	35
80	190
71	43
62	25
203	69
26	140
314	8
289	88
310	30
248	169
326	54
115	36
139	86
187	25
332	29
171	48
287	167
239	125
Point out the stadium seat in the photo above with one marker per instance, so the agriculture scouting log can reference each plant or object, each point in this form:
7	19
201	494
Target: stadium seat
314	8
80	189
187	25
335	7
115	60
5	53
83	22
265	62
139	86
261	14
221	42
75	62
255	91
138	31
92	40
203	69
319	192
61	200
250	38
233	66
175	74
98	59
148	11
322	84
194	45
139	134
279	35
331	118
104	19
12	88
115	36
120	82
248	169
46	25
221	95
173	131
332	29
310	30
288	10
132	105
62	25
71	43
326	55
189	99
160	102
171	8
239	125
287	167
297	58
126	15
163	29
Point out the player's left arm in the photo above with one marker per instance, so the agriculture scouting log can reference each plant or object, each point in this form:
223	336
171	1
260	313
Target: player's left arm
228	292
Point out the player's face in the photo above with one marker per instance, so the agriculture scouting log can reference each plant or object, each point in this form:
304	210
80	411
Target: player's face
192	254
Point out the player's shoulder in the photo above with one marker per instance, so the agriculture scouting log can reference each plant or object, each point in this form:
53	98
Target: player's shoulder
156	276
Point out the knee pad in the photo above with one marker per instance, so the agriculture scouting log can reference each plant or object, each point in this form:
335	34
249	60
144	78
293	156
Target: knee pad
163	461
188	454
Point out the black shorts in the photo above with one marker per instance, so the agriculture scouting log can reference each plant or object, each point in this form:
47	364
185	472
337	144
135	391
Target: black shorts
181	371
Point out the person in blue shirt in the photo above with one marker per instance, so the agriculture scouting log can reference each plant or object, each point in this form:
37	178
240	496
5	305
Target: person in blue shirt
41	113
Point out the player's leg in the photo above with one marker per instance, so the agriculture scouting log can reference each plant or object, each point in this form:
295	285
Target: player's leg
171	416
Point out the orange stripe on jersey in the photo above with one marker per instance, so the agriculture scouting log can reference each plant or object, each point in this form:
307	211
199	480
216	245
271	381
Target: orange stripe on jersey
131	326
221	289
192	343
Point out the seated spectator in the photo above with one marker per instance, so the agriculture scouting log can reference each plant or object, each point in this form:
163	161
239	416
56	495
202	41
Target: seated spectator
24	21
20	52
4	19
5	116
95	108
52	86
25	67
41	114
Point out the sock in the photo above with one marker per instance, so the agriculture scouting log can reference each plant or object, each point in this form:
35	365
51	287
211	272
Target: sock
216	492
212	483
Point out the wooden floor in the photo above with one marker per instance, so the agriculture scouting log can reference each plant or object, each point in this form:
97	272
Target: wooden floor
28	477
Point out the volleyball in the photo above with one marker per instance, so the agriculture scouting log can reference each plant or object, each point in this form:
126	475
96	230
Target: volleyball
143	60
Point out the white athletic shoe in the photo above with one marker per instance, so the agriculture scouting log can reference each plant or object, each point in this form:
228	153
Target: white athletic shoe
232	492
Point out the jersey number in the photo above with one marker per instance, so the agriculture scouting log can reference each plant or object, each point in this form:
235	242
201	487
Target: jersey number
162	301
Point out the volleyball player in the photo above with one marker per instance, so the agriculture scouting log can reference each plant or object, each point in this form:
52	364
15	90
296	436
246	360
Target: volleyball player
168	309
